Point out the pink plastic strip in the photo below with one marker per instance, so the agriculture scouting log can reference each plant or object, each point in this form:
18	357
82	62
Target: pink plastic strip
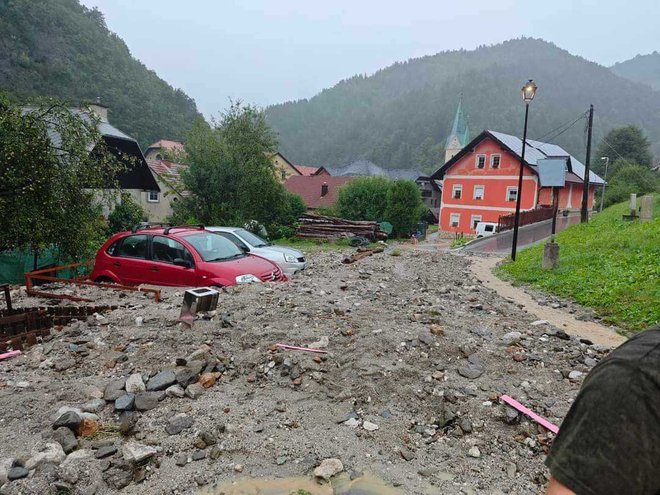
9	354
296	348
528	412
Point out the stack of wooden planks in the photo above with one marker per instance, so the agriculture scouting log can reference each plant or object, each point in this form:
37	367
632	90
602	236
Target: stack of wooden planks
324	227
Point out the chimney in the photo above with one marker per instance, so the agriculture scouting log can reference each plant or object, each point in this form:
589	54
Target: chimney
99	109
324	189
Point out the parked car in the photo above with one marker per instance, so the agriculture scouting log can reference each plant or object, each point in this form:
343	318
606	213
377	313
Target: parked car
289	260
179	256
485	229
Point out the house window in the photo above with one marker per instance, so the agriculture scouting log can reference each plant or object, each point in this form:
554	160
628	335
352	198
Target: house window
481	161
494	161
153	197
511	193
474	220
454	219
478	192
456	191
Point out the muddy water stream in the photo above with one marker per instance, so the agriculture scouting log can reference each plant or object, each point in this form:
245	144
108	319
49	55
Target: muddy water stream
341	485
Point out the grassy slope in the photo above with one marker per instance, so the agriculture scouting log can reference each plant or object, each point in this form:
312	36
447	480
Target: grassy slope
609	265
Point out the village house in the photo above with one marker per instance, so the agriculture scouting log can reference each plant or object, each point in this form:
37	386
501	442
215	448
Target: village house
317	191
480	182
159	156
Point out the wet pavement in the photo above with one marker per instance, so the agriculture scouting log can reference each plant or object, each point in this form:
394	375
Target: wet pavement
527	236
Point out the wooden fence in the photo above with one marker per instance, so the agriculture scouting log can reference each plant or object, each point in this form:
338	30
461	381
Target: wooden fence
506	222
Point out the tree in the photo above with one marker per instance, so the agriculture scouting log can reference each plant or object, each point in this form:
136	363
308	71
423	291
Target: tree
364	198
630	178
404	206
624	143
125	215
229	175
48	176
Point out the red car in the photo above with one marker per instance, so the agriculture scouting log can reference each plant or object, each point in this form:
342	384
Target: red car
179	256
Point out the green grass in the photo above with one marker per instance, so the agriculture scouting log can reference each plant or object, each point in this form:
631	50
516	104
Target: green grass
609	265
460	241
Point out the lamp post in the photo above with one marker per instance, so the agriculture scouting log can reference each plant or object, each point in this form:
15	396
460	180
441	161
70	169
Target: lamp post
528	92
606	159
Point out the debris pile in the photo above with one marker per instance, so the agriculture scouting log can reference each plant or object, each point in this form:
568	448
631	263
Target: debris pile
324	227
417	355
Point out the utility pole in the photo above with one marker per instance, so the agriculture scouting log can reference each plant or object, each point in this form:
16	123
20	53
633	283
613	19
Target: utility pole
584	216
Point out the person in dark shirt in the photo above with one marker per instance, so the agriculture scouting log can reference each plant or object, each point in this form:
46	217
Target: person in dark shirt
609	442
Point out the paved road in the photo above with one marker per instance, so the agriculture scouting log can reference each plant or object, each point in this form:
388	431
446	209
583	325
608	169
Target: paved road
527	235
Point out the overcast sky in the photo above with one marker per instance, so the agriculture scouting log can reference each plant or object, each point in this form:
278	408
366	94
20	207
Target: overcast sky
268	52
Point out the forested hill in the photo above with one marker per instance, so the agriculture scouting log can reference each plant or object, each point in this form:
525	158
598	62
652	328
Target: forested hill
400	116
642	68
63	49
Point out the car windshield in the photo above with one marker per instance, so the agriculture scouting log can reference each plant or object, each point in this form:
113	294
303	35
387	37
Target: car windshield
212	247
252	239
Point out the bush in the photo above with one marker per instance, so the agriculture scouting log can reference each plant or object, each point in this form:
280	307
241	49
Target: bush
630	179
404	206
364	198
125	215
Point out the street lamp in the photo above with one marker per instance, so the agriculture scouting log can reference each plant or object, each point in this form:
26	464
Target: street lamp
606	159
528	93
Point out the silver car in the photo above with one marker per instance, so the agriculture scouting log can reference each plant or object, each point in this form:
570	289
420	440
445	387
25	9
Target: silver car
289	260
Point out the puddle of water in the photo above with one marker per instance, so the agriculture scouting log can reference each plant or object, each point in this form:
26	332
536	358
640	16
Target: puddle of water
342	485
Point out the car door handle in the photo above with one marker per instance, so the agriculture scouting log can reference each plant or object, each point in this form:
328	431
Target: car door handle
153	269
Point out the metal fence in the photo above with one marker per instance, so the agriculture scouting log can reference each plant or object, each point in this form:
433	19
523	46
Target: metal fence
506	222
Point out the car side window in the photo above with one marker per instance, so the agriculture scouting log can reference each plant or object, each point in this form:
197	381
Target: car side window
133	246
166	250
113	249
234	239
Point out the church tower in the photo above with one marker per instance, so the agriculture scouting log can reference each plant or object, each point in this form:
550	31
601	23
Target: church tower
460	134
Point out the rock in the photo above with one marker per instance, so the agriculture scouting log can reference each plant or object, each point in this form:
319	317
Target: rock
127	421
87	427
574	375
178	423
137	452
510	338
352	422
471	370
181	460
134	384
328	468
119	475
511	415
216	452
106	451
69	419
161	380
194	391
146	401
64	363
125	402
511	469
322	343
114	389
16	473
407	454
369	426
51	453
466	425
198	455
205	438
139	321
185	376
474	452
65	437
591	362
238	468
425	337
175	391
5	465
93	406
483	333
207	380
540	322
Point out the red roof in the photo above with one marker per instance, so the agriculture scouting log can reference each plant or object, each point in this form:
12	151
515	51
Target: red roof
309	188
305	170
168	145
170	173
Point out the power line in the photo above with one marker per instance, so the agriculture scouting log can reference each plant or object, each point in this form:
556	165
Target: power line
562	128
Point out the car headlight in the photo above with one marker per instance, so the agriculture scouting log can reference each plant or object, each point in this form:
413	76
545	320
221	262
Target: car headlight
289	258
247	279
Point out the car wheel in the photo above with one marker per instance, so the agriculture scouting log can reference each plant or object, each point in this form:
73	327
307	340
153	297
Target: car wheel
104	280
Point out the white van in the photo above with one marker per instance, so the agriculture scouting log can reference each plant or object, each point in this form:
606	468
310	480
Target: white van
485	229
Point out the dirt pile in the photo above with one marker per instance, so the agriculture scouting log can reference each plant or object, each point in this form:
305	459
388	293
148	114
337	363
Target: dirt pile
418	353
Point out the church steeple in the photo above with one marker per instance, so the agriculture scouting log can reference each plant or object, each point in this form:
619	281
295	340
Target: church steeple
460	134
